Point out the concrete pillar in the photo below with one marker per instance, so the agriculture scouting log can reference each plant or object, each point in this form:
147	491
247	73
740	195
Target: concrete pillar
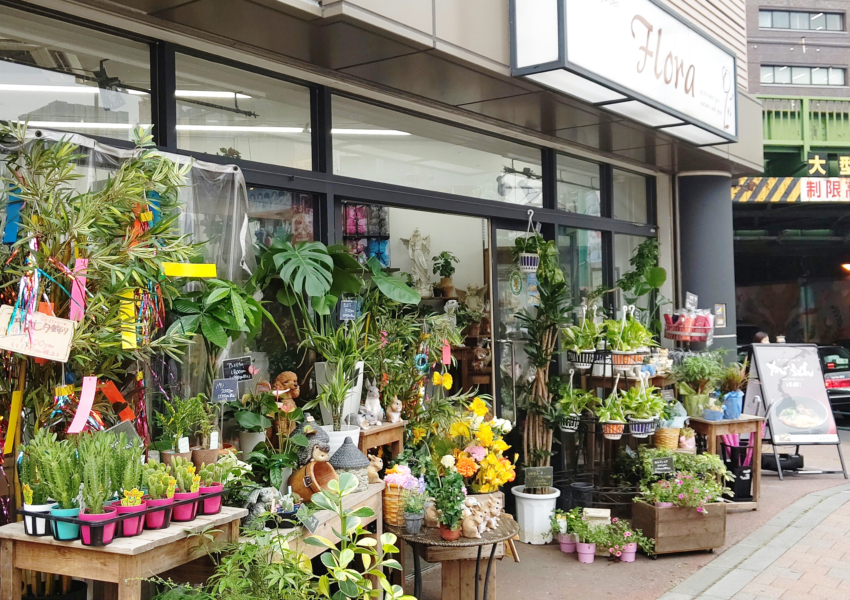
706	252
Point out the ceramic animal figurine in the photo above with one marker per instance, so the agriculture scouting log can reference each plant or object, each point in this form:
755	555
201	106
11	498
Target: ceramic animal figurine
394	410
494	510
373	401
469	505
451	310
432	516
375	465
470	526
318	447
357	420
260	502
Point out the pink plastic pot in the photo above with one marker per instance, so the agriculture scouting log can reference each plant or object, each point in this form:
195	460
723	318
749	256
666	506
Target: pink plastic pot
586	552
628	553
185	512
91	537
211	506
156	519
663	505
132	525
567	542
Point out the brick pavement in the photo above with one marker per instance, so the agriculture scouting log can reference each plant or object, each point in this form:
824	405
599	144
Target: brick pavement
803	553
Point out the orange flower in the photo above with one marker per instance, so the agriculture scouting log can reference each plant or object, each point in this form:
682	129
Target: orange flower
466	466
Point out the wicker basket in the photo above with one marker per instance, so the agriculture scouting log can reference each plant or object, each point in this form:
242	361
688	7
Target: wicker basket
667	438
393	506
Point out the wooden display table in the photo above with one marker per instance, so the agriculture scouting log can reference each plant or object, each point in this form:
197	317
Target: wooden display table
383	434
123	563
745	424
460	576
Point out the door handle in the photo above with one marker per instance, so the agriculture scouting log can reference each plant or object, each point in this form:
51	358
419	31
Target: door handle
513	375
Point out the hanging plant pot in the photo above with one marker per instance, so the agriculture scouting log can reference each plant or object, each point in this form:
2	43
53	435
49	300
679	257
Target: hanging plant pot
581	360
612	430
570	425
642	428
528	262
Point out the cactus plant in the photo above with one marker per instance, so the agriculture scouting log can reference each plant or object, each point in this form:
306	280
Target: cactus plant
211	474
184	473
158	480
96	456
34	488
59	464
126	466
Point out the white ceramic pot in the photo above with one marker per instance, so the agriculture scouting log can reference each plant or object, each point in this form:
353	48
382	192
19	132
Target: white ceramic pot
352	399
34	525
533	512
248	440
338	437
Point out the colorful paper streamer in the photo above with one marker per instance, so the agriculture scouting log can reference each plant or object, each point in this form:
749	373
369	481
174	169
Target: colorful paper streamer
14	417
447	354
78	289
45	308
116	399
13	217
85	405
128	321
189	270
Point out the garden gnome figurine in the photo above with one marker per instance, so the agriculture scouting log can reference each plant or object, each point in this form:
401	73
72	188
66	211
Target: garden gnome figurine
419	248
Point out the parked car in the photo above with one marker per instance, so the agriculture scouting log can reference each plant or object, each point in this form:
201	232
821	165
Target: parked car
836	374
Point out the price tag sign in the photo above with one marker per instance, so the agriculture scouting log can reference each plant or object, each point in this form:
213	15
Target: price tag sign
225	390
668	395
347	310
214	440
663	466
183	445
539	477
311	522
691	300
237	368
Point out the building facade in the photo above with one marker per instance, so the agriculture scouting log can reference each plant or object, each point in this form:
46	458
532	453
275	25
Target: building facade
415	105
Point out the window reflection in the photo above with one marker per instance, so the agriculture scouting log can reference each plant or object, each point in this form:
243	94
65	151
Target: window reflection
579	186
279	215
630	197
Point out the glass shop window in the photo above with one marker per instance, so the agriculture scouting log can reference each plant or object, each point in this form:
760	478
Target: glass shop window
579	188
630	197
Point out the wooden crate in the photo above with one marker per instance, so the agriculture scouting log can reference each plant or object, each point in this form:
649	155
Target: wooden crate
681	529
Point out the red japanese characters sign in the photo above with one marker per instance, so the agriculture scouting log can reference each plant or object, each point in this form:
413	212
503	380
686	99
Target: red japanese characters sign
824	189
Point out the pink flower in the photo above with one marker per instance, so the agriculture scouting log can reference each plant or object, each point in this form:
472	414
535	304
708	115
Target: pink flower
478	453
611	550
584	518
678	482
700	509
627	534
614	520
619	553
464	491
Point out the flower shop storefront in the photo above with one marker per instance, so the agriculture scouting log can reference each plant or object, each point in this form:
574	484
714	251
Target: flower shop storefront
317	310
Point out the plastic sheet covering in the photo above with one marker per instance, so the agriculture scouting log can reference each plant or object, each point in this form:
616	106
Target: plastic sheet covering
216	206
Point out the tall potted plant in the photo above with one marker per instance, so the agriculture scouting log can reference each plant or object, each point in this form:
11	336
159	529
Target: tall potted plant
96	456
448	498
253	417
126	466
59	463
33	486
204	429
444	267
179	419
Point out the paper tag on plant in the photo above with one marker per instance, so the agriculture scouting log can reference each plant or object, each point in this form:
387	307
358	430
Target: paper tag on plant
183	445
447	354
154	455
214	440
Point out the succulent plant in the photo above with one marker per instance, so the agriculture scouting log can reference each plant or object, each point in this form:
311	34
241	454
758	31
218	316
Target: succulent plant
156	477
184	473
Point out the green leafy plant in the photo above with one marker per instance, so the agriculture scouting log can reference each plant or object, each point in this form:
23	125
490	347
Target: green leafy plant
354	542
733	378
627	335
180	418
699	374
706	465
448	498
572	401
685	490
184	475
35	489
333	396
581	338
95	451
126	464
526	245
266	464
211	474
413	501
645	279
157	480
59	464
642	402
443	264
254	410
619	533
611	411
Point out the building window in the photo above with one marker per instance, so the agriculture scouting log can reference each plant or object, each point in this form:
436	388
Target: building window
624	249
802	75
580	253
579	189
808	21
235	113
630	197
60	76
383	145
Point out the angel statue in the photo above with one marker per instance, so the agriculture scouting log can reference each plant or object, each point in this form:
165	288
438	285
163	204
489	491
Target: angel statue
419	249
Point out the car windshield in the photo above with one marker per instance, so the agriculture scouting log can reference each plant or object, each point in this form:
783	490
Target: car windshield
834	358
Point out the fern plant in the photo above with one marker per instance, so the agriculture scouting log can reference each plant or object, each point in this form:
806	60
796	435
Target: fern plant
184	474
59	464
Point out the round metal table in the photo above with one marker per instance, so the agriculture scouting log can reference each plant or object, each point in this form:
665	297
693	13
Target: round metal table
429	536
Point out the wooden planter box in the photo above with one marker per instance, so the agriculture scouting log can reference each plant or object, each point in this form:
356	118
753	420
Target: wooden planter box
681	529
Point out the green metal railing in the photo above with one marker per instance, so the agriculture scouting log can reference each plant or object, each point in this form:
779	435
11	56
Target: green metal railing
798	123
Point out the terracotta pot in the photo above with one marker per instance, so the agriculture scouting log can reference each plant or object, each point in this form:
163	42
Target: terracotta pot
449	535
311	478
205	457
448	287
167	455
90	535
474	329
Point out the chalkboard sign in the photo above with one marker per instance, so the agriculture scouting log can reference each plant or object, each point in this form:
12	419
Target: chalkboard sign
663	466
310	521
347	310
539	477
237	368
691	300
668	396
225	390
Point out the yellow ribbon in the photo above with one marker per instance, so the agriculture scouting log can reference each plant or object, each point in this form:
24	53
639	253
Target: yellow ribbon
14	417
444	380
188	270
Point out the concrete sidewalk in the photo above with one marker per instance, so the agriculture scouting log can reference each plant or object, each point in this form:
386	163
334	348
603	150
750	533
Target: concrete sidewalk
801	553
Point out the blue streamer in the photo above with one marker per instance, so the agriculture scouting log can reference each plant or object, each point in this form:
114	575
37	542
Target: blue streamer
13	217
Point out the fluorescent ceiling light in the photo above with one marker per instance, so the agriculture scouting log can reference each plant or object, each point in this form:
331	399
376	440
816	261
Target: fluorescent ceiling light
695	135
93	89
209	94
570	83
81	125
368	132
240	129
643	113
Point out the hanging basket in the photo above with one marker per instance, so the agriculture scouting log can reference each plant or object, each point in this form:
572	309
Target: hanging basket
613	431
583	359
570	425
528	262
642	428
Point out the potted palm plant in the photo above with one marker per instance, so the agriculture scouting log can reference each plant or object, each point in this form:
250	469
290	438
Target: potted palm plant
126	466
333	399
96	456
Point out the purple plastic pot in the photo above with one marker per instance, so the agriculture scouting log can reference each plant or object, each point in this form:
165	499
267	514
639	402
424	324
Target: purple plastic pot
586	552
567	542
628	553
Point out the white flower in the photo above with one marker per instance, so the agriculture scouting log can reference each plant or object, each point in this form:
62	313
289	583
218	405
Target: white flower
477	421
448	461
503	425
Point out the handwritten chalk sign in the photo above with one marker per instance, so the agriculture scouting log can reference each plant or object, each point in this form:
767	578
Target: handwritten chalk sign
225	390
49	337
310	521
663	466
237	368
539	477
347	310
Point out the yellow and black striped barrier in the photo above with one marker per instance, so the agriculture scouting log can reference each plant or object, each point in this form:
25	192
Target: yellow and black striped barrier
766	189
